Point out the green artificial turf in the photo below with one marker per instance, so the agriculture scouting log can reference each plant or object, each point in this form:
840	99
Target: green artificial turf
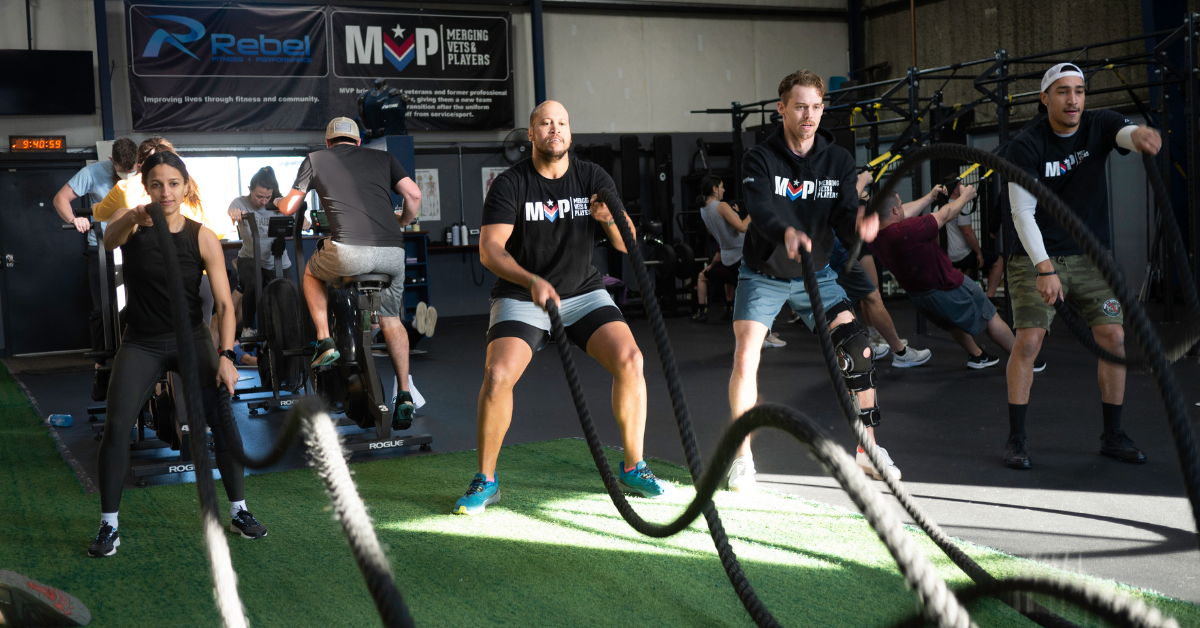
553	552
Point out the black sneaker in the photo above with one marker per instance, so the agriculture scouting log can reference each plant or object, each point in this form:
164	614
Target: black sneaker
100	384
1039	366
1118	445
246	525
701	316
1016	453
982	361
108	539
27	602
728	315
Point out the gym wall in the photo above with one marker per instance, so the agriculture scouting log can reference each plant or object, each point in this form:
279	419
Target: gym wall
641	74
954	31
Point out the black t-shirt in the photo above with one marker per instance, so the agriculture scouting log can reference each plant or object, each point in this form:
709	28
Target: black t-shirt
148	312
1073	168
355	186
552	225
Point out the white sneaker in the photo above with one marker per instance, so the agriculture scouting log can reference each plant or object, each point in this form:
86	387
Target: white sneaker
741	476
419	317
864	463
248	335
912	357
773	340
881	350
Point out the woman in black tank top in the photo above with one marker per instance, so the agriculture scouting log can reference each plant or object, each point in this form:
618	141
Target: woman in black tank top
148	344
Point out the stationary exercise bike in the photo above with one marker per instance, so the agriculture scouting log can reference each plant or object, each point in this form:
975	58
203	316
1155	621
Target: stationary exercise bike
351	384
280	341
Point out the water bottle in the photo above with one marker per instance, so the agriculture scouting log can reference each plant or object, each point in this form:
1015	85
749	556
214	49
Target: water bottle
457	235
61	420
465	237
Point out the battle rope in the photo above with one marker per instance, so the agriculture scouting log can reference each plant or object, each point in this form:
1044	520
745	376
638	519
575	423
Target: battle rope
325	455
929	587
1143	330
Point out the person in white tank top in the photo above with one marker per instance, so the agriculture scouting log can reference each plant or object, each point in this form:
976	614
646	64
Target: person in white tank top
723	222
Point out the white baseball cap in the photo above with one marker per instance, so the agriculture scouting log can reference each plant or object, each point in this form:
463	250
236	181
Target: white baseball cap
341	127
1059	71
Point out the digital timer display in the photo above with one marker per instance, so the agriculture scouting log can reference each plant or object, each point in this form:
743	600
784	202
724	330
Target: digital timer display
37	143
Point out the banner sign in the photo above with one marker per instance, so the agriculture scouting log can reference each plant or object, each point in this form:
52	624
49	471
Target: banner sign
237	67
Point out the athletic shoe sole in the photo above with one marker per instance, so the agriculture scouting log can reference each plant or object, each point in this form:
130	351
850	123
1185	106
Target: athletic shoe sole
327	358
1039	369
909	364
463	510
637	492
982	365
234	529
881	353
116	544
419	318
430	321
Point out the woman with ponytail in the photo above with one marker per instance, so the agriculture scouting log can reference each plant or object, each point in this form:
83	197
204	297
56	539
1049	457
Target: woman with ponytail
723	222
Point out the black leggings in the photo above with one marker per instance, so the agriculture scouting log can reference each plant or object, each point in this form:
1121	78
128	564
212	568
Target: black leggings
139	364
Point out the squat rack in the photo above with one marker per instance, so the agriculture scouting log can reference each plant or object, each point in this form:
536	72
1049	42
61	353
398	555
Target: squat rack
1174	74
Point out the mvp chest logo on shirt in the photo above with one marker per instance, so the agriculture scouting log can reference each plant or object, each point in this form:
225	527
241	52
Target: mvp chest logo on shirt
825	188
1059	168
552	210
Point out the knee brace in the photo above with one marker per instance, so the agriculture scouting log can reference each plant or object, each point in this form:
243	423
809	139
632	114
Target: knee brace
856	359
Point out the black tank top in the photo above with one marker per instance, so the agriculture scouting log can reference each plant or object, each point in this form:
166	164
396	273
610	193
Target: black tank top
148	311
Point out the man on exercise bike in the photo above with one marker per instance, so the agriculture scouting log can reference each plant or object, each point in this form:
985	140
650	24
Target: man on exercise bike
355	185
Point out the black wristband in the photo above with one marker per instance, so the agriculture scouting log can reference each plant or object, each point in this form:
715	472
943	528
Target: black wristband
228	354
1053	272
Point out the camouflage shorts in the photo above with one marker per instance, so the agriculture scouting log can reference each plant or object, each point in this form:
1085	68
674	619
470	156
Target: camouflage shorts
1083	287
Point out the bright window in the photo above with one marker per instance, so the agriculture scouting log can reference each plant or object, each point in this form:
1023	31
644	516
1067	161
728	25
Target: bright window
217	178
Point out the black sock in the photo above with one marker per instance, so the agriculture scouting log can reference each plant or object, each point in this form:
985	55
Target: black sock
1016	418
1112	417
902	351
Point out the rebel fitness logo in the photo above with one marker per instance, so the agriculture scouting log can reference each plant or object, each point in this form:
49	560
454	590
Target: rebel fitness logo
225	47
551	210
1059	168
797	189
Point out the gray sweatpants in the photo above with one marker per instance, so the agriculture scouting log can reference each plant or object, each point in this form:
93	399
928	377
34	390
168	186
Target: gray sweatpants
332	261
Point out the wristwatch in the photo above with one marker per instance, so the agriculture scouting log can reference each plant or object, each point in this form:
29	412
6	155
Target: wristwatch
228	354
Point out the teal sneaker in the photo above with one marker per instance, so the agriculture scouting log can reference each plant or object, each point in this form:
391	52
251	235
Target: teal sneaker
403	411
325	353
641	480
479	495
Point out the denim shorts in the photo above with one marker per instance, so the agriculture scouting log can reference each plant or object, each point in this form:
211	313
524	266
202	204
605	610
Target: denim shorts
964	308
759	297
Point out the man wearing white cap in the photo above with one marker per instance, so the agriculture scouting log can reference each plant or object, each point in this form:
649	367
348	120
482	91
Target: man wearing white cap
355	185
1067	152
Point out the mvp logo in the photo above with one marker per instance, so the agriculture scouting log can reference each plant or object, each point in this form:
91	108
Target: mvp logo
181	468
549	210
1059	168
375	46
825	188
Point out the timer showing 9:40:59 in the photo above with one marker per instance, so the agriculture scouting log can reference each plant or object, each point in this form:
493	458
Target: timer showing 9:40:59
37	143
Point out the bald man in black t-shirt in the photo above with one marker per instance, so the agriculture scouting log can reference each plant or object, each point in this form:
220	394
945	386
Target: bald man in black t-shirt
539	220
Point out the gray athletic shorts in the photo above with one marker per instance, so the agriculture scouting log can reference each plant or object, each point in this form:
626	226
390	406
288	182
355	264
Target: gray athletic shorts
332	261
966	307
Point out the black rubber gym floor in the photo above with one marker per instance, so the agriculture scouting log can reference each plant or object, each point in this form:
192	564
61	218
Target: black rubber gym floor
943	424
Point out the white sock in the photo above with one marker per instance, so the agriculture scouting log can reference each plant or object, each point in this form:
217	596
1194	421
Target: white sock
110	518
235	507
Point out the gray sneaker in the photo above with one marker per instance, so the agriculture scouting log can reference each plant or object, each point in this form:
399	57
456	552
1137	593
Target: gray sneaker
740	478
912	357
773	341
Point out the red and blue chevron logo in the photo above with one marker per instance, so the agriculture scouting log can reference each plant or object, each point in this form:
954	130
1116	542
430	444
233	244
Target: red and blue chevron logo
399	55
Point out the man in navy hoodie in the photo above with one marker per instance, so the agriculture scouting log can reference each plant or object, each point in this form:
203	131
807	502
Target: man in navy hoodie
800	189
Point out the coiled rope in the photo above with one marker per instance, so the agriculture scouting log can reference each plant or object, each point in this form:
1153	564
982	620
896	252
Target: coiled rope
325	454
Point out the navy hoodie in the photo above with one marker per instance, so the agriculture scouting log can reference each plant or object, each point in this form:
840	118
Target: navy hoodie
815	194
